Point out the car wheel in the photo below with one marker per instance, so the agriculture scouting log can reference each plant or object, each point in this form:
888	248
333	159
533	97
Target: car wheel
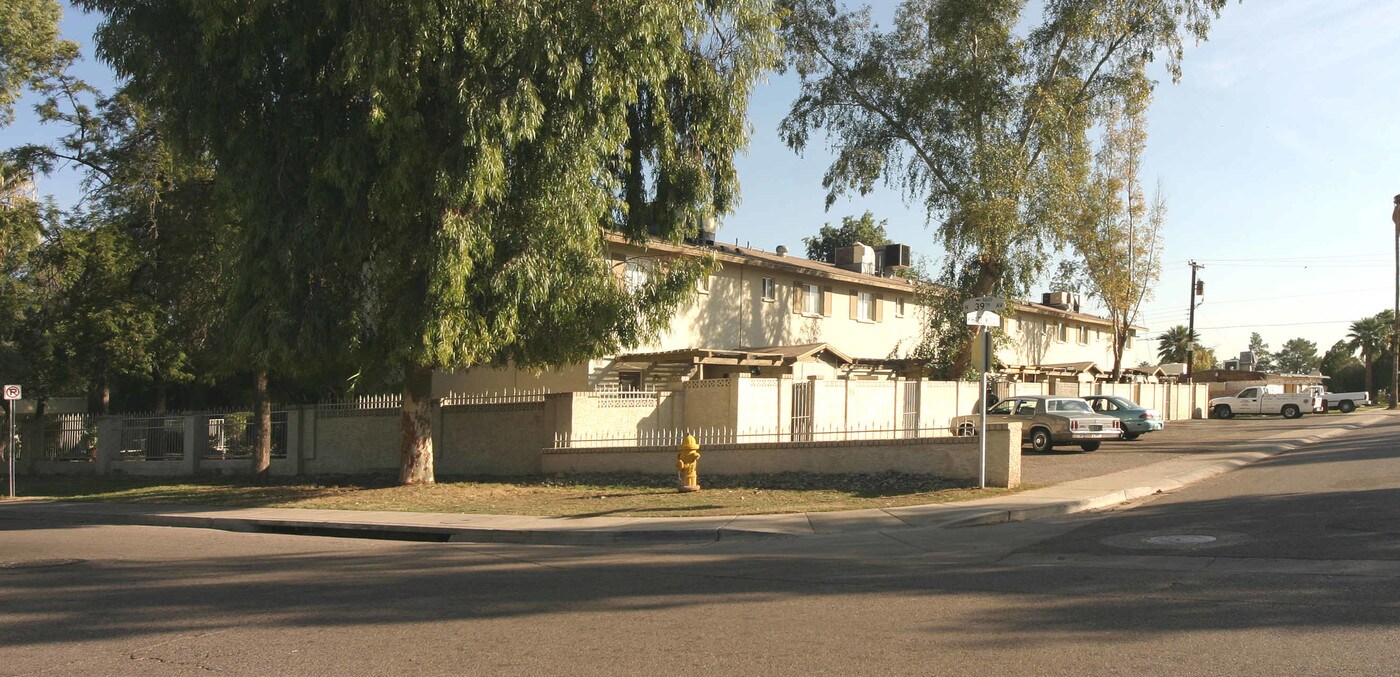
1224	411
1346	406
1131	436
1090	446
1041	441
1291	411
967	429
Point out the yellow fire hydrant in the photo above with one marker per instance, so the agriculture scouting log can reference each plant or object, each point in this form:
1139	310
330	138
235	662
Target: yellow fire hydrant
687	457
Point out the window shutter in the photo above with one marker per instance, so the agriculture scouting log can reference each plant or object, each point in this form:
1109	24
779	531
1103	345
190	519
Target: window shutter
797	297
826	301
855	304
879	307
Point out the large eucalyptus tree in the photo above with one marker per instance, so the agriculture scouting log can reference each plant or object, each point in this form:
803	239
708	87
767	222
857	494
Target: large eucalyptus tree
429	183
980	112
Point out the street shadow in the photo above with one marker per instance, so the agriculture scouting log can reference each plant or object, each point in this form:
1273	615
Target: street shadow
411	584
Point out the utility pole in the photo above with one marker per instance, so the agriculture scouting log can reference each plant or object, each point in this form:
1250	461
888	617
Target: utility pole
1395	330
1191	326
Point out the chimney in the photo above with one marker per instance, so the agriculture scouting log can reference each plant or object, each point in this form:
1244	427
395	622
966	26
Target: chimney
782	250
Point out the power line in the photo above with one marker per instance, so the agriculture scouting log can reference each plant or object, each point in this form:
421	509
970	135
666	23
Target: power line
1281	324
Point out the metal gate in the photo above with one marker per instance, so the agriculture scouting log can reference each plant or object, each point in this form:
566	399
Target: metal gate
909	410
803	395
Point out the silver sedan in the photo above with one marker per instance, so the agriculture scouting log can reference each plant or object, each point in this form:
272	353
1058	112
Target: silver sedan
1047	421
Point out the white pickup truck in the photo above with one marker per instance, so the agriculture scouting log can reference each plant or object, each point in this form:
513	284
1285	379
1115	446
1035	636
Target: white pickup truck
1343	402
1254	400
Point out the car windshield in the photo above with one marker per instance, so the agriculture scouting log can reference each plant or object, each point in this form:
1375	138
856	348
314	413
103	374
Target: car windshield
1068	405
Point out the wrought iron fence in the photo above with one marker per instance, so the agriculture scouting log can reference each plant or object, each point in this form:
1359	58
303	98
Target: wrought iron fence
70	437
232	435
152	438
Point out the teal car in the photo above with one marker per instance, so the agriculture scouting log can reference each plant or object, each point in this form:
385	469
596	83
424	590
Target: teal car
1136	419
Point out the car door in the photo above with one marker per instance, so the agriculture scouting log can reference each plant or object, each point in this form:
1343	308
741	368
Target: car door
1250	401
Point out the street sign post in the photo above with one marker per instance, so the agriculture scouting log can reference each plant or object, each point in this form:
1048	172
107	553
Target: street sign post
982	313
13	393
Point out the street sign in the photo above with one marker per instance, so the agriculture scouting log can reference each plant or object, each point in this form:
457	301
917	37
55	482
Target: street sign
985	303
984	318
13	393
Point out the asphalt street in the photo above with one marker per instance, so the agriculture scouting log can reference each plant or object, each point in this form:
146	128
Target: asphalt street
1288	566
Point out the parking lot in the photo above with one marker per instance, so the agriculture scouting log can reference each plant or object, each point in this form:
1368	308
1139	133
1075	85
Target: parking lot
1205	436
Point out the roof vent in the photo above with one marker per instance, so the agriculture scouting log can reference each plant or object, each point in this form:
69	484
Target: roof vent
782	250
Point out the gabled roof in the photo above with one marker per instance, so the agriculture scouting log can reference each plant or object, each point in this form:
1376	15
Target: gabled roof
766	356
804	352
1061	368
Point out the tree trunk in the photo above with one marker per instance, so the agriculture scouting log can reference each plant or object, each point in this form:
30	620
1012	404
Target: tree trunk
262	429
419	411
1119	339
160	396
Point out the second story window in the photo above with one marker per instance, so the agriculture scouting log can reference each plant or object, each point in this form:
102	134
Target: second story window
1061	332
636	275
811	299
1084	335
899	307
770	290
865	307
1129	343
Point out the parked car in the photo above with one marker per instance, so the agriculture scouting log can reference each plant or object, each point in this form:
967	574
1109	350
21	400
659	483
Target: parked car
1254	400
1047	421
1343	402
1136	419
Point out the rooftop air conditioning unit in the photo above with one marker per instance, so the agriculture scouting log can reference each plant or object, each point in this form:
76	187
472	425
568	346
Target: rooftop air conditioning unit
1057	299
857	259
897	256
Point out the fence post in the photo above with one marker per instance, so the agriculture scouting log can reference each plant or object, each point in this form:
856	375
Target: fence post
292	440
109	444
190	462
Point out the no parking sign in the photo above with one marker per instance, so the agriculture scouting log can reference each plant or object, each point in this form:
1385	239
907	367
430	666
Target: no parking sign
12	393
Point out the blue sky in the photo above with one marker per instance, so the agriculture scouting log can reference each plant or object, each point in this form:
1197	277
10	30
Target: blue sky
1279	153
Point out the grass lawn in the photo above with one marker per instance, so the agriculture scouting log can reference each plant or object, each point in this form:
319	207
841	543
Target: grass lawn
618	495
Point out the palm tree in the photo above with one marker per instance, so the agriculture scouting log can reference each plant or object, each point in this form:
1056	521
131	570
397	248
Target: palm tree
1369	335
1174	343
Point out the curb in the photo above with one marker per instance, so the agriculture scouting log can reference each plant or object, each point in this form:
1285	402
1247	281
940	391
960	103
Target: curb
72	513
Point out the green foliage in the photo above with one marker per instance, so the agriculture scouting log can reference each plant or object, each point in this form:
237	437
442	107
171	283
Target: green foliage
1263	359
131	274
30	51
448	202
865	230
1345	371
1175	342
1115	231
987	128
1371	336
429	185
1297	356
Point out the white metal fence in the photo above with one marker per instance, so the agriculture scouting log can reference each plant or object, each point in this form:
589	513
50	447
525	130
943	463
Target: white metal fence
720	435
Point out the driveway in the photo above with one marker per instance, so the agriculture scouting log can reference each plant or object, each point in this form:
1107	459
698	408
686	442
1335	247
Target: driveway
1179	438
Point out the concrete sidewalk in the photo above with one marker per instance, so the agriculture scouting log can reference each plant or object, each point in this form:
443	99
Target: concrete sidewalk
1060	499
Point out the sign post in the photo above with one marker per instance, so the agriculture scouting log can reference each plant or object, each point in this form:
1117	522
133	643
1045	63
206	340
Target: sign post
12	397
982	313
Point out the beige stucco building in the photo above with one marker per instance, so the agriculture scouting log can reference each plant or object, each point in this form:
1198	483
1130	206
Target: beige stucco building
769	314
